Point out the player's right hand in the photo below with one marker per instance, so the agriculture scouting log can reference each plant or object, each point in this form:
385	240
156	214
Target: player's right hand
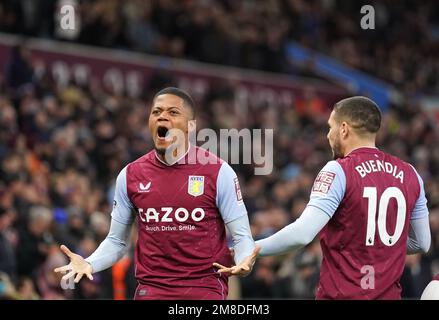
77	267
243	268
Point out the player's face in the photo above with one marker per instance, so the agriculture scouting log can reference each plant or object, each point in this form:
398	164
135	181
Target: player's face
168	112
334	137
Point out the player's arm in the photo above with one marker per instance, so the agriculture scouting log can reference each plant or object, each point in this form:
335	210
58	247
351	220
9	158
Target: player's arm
326	195
295	235
419	238
112	249
234	214
115	244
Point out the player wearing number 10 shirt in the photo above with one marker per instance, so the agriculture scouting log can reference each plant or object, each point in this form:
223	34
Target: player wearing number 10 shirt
368	206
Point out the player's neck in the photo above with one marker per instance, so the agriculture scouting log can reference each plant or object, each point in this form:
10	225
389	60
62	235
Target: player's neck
176	156
359	144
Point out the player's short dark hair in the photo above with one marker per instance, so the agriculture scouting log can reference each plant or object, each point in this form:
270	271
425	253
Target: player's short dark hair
188	101
360	112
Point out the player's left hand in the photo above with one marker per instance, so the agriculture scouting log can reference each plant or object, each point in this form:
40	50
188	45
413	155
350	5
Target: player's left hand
244	268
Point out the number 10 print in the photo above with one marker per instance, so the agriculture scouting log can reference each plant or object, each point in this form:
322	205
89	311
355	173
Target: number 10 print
392	192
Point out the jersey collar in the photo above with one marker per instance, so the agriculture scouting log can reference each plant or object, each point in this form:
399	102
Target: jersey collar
370	149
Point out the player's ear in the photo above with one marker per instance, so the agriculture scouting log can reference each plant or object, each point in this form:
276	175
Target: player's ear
344	129
192	125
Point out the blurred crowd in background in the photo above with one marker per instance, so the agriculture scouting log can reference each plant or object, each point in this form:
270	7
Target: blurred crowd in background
403	48
61	148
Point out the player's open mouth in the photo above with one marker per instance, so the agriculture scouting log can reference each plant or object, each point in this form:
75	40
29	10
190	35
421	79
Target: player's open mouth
161	133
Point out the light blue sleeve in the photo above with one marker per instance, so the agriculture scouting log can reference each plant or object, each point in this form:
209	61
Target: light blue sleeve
243	242
228	194
114	247
295	235
122	206
420	210
419	239
329	188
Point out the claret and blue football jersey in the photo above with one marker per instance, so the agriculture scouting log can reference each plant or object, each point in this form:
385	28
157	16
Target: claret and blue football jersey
181	211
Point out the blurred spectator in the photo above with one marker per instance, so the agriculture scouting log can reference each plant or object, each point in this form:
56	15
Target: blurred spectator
72	232
8	263
7	288
19	72
26	289
416	276
100	225
34	241
298	277
88	289
311	106
49	283
260	282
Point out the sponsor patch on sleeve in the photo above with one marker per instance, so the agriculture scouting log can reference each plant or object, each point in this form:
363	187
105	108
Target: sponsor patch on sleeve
323	182
237	190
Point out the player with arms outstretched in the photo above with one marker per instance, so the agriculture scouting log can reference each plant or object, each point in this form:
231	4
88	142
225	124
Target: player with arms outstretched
182	197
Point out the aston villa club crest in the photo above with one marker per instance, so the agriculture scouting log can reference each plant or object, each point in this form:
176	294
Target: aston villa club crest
195	186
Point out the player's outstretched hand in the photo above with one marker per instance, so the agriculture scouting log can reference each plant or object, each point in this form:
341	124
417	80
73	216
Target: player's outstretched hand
77	267
244	268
